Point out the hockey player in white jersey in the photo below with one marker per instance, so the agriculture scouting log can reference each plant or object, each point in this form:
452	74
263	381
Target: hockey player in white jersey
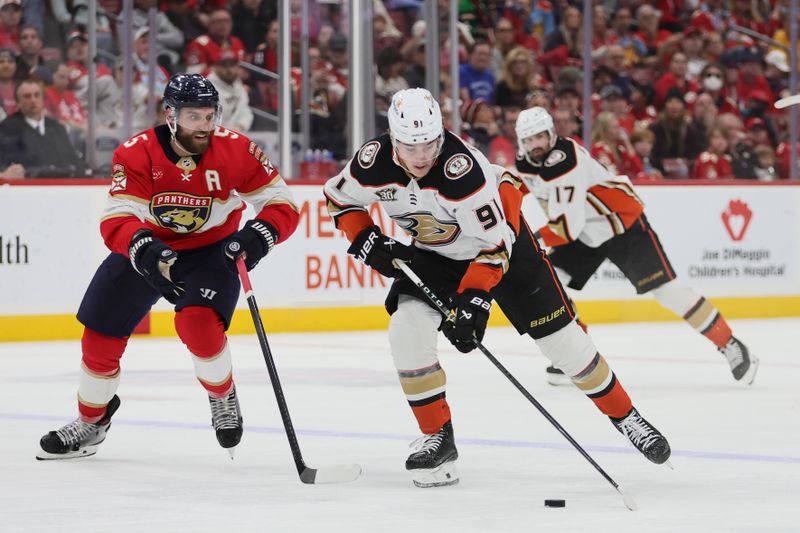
595	215
444	194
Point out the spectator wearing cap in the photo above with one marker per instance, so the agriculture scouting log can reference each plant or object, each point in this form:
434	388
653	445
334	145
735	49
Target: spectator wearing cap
206	50
30	59
677	140
642	109
612	148
251	19
675	78
337	68
169	39
10	18
776	69
8	85
73	13
62	104
516	78
712	82
757	132
751	78
236	112
713	163
141	50
692	44
476	79
612	101
35	141
481	123
109	97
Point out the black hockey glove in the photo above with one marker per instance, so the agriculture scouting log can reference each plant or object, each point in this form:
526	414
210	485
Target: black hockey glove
377	250
471	309
255	240
152	259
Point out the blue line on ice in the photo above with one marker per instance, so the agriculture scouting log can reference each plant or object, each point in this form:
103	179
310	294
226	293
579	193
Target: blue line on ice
723	456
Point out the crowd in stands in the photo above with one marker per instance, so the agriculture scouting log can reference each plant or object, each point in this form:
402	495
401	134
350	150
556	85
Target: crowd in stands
680	88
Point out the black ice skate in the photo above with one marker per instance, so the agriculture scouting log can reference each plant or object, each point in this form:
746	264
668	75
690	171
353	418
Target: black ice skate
556	377
78	438
644	436
226	417
744	365
433	461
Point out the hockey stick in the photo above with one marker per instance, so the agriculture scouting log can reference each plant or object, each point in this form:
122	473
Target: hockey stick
786	102
330	474
440	305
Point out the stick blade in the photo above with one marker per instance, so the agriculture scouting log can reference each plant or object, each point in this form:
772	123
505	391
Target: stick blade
629	502
786	102
330	474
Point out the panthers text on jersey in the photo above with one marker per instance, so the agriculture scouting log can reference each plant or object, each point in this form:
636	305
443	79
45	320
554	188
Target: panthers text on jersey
455	210
191	202
582	199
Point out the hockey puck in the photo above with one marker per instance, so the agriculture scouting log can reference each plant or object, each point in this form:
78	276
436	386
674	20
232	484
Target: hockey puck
555	503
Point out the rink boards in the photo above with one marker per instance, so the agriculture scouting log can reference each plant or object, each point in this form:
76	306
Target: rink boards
735	243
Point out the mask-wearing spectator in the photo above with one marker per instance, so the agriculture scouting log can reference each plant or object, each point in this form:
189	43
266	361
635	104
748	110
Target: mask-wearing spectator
37	142
712	82
236	112
714	163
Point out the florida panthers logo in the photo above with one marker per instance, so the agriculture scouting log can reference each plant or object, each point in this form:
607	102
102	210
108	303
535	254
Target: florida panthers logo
180	212
427	229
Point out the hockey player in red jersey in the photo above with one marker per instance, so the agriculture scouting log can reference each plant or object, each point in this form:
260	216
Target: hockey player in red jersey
172	225
596	215
468	240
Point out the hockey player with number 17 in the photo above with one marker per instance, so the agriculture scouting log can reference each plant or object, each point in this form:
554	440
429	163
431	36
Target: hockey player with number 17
595	215
172	225
444	194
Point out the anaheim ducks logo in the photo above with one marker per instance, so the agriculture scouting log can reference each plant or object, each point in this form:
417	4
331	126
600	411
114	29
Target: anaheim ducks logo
457	166
427	229
366	156
180	212
555	157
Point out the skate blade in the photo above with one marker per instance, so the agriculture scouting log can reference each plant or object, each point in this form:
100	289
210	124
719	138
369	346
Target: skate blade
668	463
86	451
750	376
231	451
441	476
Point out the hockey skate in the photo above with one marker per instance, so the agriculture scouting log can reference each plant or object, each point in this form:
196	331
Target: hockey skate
226	417
744	365
556	377
433	461
78	438
643	436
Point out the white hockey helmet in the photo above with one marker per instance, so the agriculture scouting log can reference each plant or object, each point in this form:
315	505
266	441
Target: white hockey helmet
415	117
533	121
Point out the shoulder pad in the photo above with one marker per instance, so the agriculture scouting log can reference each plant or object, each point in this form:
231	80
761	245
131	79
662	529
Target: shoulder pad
561	159
525	166
372	166
457	174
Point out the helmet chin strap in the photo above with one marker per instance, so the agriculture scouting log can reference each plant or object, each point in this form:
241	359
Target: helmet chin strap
182	147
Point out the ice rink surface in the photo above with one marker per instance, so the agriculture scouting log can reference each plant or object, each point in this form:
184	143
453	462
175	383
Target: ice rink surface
735	449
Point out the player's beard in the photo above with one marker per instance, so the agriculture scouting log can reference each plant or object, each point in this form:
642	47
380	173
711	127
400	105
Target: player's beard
537	154
194	141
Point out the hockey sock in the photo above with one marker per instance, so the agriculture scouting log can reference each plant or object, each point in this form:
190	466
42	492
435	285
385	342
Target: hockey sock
600	384
203	332
694	309
425	391
99	374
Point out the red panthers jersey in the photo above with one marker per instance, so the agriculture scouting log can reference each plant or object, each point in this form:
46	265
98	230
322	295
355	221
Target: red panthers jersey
191	202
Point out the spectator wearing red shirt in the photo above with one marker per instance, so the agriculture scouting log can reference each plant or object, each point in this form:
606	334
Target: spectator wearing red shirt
612	101
714	163
712	82
750	77
10	17
207	49
61	103
676	77
610	146
642	109
503	148
649	32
